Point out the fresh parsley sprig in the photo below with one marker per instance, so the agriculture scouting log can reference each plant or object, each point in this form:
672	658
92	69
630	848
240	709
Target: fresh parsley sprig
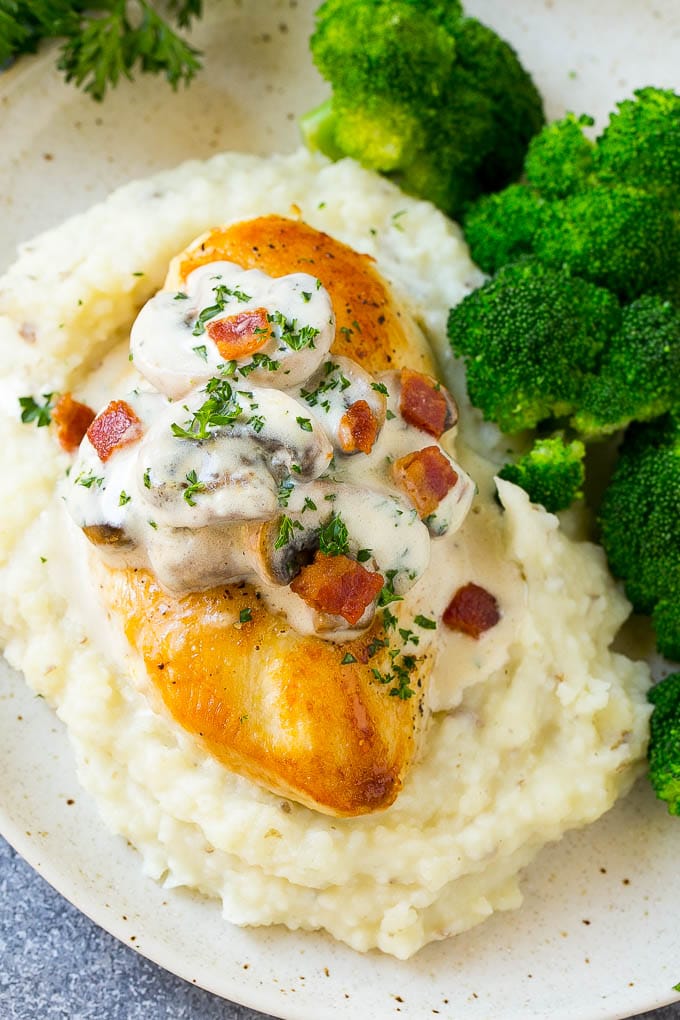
103	41
31	410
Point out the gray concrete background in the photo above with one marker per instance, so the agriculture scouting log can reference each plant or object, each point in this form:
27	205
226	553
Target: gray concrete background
55	964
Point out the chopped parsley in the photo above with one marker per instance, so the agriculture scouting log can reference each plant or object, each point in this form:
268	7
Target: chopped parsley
388	595
223	295
347	659
284	491
390	414
287	528
309	504
292	336
363	555
31	410
123	498
180	296
147	478
306	296
220	409
193	486
202	351
379	387
305	424
89	480
425	622
334	537
246	615
258	360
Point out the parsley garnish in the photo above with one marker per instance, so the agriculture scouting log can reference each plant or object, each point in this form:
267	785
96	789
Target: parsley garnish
334	537
193	486
284	491
290	335
390	414
246	615
257	361
220	409
363	555
287	528
89	480
147	478
202	351
309	504
306	296
223	295
379	387
104	41
180	296
347	659
425	622
31	410
305	424
387	595
123	498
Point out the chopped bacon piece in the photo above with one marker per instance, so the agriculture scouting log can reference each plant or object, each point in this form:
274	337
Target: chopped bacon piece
358	428
426	404
425	476
72	420
472	610
117	425
337	585
240	335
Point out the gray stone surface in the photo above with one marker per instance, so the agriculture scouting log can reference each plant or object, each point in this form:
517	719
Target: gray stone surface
57	965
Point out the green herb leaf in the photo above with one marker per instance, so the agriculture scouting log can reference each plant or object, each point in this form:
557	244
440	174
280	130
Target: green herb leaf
32	411
425	622
193	486
347	659
334	537
246	615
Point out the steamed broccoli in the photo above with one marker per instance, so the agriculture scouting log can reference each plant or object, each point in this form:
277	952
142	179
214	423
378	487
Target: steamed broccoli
640	525
641	145
530	337
607	210
637	375
552	472
423	93
664	742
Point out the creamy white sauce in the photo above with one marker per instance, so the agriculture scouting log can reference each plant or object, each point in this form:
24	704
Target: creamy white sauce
236	479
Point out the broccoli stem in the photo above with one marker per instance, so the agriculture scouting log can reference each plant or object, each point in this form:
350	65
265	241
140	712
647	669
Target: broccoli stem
318	130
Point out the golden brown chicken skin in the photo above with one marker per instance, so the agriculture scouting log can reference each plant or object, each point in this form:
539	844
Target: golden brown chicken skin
276	706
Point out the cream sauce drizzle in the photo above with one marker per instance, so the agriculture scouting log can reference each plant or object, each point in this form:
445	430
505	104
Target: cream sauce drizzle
237	470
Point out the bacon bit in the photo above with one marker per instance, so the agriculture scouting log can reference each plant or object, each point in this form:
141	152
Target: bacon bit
358	428
116	426
72	420
338	585
472	610
425	476
425	404
240	335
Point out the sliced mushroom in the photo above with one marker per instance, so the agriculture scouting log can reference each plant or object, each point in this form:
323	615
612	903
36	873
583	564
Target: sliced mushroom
374	527
194	559
175	348
223	455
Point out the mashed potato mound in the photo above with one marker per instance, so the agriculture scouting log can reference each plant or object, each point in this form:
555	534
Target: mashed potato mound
534	733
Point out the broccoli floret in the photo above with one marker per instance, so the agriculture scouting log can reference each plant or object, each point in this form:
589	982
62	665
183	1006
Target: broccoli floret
619	237
607	211
501	227
420	91
641	145
560	159
637	378
640	525
552	472
529	337
664	742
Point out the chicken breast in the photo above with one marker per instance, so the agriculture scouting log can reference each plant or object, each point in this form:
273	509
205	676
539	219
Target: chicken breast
310	719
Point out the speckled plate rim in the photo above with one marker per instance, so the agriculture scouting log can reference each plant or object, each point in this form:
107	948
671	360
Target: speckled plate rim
542	960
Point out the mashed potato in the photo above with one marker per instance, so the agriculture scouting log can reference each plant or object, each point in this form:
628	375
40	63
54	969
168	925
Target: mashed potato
537	728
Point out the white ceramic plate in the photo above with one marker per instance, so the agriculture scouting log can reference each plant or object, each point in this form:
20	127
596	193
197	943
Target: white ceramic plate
598	935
